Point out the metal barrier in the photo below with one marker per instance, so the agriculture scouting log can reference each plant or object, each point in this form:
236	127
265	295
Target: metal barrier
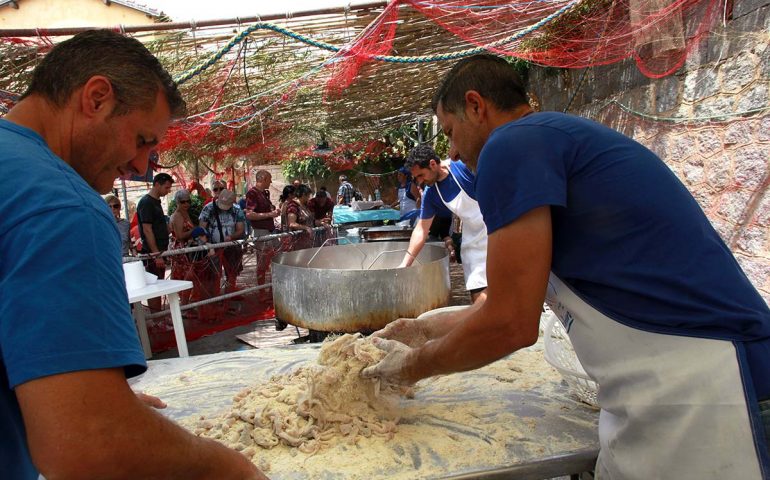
217	302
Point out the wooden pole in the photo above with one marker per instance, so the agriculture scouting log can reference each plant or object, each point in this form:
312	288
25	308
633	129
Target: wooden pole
191	25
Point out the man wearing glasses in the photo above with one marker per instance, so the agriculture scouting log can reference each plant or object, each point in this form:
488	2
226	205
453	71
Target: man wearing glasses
216	187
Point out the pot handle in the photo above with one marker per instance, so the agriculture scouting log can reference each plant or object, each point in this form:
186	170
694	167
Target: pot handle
388	251
335	238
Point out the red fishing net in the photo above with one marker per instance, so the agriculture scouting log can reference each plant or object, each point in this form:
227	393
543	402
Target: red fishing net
657	34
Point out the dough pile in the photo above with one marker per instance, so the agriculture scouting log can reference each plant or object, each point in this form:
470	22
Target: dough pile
312	407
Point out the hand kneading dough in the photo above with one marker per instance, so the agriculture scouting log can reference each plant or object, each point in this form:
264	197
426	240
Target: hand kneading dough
314	406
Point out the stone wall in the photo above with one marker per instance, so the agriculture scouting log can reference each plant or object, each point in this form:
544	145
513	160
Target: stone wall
710	122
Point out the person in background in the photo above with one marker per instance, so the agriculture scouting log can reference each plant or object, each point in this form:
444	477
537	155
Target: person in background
96	105
656	306
154	229
247	224
123	225
261	214
346	192
408	192
326	192
449	190
225	221
181	226
287	195
299	217
216	187
321	206
259	210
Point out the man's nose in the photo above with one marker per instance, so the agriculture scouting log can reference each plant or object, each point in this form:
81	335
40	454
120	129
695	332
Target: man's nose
140	162
453	153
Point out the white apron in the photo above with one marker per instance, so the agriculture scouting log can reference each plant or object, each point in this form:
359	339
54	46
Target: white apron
474	246
406	204
672	407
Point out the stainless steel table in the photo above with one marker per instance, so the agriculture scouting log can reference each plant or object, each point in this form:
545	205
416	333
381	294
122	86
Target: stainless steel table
522	427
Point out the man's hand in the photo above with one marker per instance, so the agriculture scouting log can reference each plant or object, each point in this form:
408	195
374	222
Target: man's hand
395	368
450	246
151	401
159	261
408	331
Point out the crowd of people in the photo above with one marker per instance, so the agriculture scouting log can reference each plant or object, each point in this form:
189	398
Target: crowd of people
221	220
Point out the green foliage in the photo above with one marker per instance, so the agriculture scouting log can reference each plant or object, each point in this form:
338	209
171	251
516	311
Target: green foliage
521	66
305	168
196	205
442	145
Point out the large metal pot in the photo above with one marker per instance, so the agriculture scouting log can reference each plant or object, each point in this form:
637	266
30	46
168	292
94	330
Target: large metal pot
357	287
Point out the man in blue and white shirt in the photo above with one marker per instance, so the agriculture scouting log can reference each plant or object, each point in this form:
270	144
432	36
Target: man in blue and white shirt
449	191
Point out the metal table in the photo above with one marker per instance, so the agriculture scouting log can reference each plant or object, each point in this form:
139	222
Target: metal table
525	430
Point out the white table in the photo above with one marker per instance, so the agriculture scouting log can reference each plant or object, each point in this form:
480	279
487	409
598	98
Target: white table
171	289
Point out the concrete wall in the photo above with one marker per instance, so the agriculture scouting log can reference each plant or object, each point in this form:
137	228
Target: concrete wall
69	13
709	122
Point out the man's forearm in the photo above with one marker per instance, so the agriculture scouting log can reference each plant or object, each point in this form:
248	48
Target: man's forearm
416	242
105	431
163	449
477	339
149	237
437	326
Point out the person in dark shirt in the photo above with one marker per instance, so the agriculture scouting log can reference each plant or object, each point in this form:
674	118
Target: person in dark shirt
259	210
153	226
321	206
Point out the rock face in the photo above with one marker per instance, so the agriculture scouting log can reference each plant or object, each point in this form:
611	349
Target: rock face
710	122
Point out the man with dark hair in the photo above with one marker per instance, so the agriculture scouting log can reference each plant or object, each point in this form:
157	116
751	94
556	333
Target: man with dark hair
346	192
449	190
98	103
656	306
153	228
321	205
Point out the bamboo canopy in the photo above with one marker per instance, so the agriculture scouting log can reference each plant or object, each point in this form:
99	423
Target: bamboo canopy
260	90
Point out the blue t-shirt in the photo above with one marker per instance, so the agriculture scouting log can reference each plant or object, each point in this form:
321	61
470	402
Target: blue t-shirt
628	236
64	305
431	202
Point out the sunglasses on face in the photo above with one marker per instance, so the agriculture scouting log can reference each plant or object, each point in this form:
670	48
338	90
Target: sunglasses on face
115	206
217	189
184	201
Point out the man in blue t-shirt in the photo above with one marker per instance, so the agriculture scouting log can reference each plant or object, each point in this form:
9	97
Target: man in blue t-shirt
449	190
658	310
97	104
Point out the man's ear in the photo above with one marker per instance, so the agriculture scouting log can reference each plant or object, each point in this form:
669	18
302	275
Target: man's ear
475	105
97	97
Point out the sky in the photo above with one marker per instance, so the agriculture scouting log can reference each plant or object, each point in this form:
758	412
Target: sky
183	10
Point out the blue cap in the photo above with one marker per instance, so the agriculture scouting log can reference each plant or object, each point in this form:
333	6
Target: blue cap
197	232
405	171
